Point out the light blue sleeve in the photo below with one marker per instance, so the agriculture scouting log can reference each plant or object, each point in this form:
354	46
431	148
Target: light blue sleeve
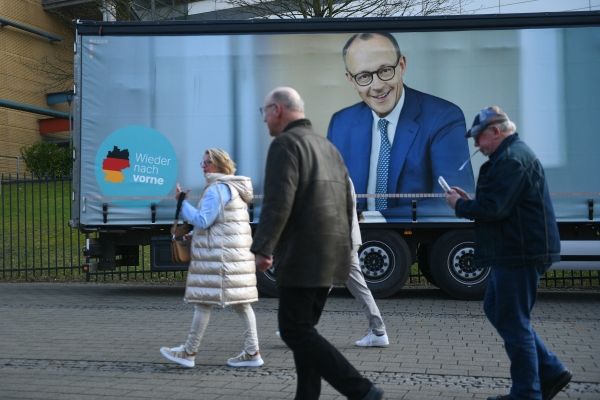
210	209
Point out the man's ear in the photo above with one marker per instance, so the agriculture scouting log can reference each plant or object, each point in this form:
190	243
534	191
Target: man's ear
401	66
350	78
497	132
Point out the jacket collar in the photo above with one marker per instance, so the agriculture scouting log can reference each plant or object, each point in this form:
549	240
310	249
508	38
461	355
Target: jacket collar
505	143
213	176
303	122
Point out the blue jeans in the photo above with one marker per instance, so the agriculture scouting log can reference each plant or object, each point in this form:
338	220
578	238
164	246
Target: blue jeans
509	299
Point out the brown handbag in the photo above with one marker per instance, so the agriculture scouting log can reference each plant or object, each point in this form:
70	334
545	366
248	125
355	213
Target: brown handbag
180	248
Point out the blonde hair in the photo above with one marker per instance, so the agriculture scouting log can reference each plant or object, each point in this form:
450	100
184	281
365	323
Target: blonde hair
221	160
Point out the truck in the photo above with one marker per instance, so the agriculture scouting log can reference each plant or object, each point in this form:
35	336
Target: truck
151	96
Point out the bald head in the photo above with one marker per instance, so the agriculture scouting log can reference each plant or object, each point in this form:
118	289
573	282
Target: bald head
288	98
282	106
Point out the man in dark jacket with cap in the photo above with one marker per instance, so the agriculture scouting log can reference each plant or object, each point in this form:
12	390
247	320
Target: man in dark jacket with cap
305	223
516	235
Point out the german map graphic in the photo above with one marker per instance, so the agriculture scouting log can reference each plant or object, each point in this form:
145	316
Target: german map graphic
115	162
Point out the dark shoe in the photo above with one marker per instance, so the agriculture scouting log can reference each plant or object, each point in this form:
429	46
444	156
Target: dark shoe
551	388
374	393
504	397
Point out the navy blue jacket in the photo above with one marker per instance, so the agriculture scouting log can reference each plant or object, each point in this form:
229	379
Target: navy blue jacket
514	218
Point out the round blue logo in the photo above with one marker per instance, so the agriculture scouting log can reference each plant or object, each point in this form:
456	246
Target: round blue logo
136	166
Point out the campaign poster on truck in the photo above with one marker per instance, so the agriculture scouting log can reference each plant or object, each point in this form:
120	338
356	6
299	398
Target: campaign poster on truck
151	105
151	98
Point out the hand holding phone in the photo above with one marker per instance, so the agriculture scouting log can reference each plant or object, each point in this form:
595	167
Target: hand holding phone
444	184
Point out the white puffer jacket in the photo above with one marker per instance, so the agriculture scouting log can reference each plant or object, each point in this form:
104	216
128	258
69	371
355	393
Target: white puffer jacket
222	269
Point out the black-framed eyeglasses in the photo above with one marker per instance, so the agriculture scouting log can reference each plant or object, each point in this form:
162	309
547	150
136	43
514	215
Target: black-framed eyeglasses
263	110
384	73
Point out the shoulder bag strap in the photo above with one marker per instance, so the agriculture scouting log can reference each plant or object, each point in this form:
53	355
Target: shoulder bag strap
177	211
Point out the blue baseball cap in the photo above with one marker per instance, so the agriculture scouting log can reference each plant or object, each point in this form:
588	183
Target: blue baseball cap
485	118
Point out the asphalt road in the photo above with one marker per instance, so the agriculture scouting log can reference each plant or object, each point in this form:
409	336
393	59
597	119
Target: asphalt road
101	341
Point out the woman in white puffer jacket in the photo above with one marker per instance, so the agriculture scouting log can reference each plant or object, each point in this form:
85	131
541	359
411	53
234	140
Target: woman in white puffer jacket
222	269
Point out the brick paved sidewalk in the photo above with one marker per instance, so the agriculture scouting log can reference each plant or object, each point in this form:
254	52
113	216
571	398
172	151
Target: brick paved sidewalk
101	341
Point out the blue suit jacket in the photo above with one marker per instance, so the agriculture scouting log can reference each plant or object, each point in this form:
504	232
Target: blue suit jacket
429	142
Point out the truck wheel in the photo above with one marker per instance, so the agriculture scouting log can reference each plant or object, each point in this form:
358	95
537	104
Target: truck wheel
452	266
265	283
385	261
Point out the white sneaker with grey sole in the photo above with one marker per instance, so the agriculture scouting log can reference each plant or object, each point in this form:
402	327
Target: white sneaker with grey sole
179	355
373	340
246	360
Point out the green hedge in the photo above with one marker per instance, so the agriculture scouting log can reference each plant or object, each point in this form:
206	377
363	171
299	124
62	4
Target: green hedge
47	160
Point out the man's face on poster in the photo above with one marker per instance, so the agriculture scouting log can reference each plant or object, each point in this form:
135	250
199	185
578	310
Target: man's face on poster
375	56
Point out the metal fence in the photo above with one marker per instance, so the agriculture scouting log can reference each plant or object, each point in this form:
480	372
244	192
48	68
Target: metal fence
38	244
36	240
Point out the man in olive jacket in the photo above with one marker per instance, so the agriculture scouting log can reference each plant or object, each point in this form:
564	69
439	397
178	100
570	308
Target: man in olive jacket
304	226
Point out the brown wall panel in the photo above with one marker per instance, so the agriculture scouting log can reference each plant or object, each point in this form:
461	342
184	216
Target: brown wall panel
23	120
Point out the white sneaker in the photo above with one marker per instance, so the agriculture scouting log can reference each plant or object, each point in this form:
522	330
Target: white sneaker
246	360
278	334
372	340
179	355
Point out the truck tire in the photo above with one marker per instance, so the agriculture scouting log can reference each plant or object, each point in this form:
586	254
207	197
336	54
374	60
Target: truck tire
265	283
385	261
452	268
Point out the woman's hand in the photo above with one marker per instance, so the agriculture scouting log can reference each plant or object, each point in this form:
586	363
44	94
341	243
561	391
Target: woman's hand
178	190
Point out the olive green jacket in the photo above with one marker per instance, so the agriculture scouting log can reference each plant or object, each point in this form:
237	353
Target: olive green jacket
306	214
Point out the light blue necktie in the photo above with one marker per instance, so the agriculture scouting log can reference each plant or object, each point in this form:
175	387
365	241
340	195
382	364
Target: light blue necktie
382	166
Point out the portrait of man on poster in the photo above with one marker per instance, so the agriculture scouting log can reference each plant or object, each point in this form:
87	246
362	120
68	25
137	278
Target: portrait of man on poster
397	140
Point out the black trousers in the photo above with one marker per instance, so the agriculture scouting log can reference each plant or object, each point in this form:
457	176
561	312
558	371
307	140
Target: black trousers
315	358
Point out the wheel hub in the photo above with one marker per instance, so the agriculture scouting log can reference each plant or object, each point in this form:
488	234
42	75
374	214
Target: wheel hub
374	262
462	265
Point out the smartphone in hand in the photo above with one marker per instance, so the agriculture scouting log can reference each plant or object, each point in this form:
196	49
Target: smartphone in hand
444	184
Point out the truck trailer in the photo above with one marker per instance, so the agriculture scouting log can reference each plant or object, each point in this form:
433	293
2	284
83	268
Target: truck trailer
151	96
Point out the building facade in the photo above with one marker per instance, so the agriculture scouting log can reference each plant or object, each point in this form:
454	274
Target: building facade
35	49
